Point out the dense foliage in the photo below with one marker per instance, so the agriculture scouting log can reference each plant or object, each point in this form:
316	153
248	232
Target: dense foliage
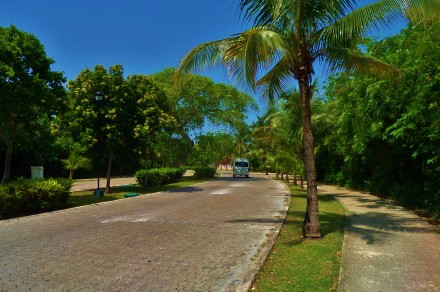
385	133
204	172
28	196
30	96
127	119
159	176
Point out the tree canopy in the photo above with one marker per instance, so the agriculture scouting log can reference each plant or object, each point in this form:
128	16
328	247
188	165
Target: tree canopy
30	92
202	102
386	131
133	110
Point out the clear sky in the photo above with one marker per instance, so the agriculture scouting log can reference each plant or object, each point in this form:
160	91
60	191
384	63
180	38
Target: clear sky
145	36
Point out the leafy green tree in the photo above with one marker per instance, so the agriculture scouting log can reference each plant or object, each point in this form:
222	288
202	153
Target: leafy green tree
287	39
170	150
133	110
212	149
202	102
28	87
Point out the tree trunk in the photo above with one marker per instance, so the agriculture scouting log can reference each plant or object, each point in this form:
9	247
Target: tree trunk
9	141
6	174
311	225
295	182
109	171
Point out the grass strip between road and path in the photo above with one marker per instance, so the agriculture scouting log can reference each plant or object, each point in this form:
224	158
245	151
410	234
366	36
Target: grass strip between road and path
298	264
83	198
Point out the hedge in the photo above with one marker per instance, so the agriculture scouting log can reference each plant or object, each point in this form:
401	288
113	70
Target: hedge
159	176
30	196
204	172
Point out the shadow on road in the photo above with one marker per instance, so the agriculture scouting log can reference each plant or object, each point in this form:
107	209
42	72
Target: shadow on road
232	179
258	220
190	189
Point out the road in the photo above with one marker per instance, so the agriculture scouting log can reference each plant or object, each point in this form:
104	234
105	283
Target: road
208	237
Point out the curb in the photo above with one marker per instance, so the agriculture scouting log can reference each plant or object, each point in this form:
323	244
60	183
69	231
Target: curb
249	276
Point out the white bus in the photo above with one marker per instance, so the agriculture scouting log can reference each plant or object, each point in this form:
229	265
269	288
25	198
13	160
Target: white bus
240	167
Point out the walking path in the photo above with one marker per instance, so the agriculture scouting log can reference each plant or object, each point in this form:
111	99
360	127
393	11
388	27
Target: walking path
386	248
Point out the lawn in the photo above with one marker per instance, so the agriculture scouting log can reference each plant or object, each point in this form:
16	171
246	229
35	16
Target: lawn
82	198
297	264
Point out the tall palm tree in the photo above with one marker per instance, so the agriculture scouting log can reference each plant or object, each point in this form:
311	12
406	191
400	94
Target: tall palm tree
287	38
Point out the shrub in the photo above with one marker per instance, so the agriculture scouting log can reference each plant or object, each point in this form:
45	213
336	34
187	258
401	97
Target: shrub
29	196
158	176
204	172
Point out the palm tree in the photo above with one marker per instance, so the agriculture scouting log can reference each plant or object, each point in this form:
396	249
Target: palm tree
74	162
287	38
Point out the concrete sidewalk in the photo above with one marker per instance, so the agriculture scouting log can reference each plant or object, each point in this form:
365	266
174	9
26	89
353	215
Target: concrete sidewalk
386	248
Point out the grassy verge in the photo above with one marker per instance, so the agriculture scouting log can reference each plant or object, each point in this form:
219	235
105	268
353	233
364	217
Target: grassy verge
86	197
296	264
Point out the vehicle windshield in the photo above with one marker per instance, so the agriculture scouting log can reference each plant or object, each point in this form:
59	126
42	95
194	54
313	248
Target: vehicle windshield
241	164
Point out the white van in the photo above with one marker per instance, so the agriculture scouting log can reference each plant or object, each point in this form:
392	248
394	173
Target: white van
240	167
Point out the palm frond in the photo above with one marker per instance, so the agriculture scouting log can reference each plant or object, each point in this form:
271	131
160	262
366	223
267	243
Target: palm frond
276	80
357	61
201	57
423	11
250	52
343	30
261	12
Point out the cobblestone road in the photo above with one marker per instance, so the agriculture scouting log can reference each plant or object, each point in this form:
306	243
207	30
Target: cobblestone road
209	237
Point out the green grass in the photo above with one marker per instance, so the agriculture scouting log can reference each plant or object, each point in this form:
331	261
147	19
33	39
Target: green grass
298	264
86	197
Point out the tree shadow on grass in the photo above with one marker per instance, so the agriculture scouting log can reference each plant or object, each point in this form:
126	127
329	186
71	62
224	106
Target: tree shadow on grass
330	222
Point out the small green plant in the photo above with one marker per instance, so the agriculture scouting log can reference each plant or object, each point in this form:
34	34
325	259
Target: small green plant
74	162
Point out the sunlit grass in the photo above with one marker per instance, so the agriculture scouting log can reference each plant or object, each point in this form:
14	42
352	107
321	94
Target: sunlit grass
298	264
86	197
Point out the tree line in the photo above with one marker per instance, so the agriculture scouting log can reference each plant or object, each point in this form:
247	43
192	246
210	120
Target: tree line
140	122
378	133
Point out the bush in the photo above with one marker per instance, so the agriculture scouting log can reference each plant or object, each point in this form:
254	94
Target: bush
159	176
204	172
30	196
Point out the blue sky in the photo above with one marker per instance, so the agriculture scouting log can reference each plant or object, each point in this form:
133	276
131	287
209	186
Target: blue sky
145	36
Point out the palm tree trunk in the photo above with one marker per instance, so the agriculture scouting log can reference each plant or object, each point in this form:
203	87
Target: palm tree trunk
311	225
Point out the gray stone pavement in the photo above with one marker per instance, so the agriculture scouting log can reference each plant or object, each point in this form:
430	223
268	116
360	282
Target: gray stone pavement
208	237
386	248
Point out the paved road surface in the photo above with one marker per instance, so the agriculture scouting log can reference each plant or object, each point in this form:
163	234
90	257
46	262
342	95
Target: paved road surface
386	248
209	237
